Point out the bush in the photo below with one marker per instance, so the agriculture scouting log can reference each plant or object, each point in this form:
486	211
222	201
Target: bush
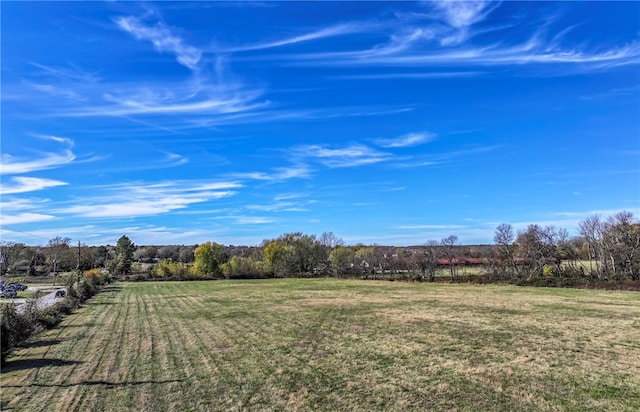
167	269
17	328
243	268
14	329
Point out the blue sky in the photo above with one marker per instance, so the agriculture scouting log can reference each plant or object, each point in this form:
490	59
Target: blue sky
390	123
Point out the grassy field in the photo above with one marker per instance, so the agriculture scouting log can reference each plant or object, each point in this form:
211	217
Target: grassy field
334	345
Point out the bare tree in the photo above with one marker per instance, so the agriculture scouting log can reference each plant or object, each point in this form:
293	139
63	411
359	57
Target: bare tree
566	249
329	240
536	248
622	238
591	229
59	254
449	251
427	260
503	238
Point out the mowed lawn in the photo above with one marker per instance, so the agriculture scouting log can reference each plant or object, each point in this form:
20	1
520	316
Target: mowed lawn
334	345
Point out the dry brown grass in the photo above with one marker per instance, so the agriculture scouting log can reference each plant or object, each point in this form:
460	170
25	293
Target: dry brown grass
334	345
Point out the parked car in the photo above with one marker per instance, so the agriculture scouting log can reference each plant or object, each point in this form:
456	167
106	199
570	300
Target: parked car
18	286
8	292
60	293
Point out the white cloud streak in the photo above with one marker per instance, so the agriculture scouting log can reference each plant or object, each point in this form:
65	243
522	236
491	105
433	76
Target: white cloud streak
461	15
277	174
332	31
350	156
442	37
134	200
162	39
21	184
252	220
13	165
408	140
530	52
27	217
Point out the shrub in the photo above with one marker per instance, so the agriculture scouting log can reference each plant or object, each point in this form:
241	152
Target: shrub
242	268
14	329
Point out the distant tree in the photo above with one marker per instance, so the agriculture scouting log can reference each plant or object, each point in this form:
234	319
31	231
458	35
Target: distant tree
208	258
449	250
239	267
536	248
84	257
506	250
278	257
170	252
426	259
592	229
622	243
34	258
99	257
341	259
186	254
329	240
11	253
567	250
124	256
145	253
168	269
366	258
59	255
294	254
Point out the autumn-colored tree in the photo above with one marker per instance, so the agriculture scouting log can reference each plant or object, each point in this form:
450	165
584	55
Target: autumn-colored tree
341	259
208	258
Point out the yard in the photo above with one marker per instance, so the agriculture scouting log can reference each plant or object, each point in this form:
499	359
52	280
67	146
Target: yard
319	344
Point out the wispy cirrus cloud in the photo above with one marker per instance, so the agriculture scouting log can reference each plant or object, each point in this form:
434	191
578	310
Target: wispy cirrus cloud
27	217
433	159
174	159
408	140
207	93
252	220
163	39
13	165
411	75
287	204
149	234
447	34
49	160
298	171
70	73
461	15
18	210
22	184
135	200
339	157
530	52
201	100
326	32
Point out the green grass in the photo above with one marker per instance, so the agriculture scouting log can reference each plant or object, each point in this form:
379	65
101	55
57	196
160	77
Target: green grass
334	345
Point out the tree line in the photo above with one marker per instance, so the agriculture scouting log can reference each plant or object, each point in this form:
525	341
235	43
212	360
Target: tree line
602	249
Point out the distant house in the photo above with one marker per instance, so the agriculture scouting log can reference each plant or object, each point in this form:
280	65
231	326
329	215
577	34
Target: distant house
461	261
